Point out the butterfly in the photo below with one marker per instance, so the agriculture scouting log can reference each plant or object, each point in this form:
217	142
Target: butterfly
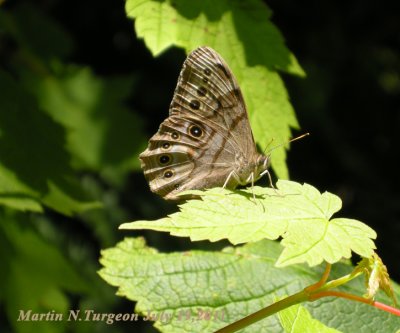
206	141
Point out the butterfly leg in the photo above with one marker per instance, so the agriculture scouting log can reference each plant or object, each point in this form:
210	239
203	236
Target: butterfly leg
270	181
252	191
228	178
252	186
266	172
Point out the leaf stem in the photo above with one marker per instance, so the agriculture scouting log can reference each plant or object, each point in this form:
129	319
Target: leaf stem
310	293
263	313
352	297
387	308
322	281
356	298
338	282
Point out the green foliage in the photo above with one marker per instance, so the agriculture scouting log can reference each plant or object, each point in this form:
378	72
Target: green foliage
65	135
251	45
32	282
58	119
297	319
227	285
38	275
102	134
34	164
298	213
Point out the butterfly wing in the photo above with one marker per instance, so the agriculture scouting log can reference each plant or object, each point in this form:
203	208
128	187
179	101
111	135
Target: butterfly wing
207	89
207	130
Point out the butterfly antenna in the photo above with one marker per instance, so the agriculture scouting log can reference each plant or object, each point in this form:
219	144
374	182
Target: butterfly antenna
266	172
291	140
268	144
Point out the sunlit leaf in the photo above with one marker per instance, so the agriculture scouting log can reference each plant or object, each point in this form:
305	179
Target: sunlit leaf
297	319
298	213
202	291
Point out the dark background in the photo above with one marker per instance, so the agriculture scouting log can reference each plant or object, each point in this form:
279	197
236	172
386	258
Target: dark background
349	102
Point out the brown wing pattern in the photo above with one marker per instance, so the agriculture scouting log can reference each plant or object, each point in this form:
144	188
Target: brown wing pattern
197	146
208	89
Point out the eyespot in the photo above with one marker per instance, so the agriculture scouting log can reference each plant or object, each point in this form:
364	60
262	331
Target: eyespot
168	174
201	91
164	159
223	69
194	104
177	186
166	145
207	71
237	93
195	131
175	135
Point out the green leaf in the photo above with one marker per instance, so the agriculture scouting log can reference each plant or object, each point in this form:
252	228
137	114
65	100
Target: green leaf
298	213
297	319
102	134
34	165
252	46
199	291
37	275
190	24
19	202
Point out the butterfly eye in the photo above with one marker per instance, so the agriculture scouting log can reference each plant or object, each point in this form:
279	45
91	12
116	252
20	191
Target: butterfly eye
168	174
175	135
195	131
164	159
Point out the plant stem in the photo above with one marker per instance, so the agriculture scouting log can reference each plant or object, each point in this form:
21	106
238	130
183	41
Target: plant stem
356	298
387	308
322	281
311	293
338	282
263	313
352	297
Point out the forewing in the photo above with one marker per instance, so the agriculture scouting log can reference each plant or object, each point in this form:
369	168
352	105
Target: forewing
208	89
